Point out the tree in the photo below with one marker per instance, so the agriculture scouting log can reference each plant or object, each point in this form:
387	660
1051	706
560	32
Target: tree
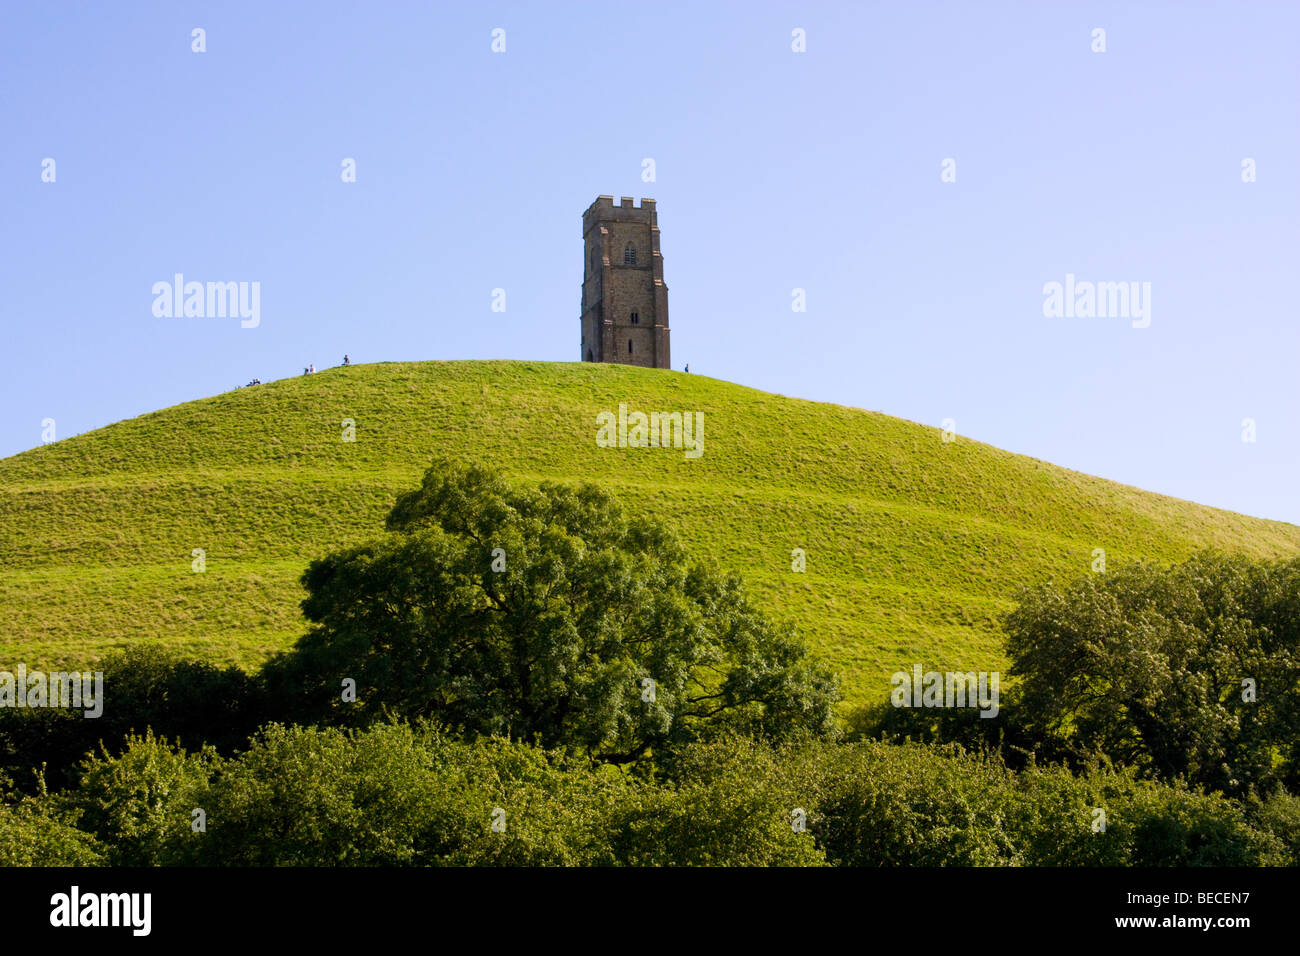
546	614
1189	671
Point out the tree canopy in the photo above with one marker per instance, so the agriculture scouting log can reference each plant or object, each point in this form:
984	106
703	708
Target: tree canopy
548	614
1190	671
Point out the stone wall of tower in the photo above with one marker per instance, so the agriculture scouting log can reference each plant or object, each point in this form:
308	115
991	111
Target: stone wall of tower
624	304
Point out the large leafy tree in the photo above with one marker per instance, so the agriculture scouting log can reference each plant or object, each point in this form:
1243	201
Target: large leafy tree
548	614
1190	671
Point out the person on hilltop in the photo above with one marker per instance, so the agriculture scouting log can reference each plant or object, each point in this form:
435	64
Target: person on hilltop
688	368
346	360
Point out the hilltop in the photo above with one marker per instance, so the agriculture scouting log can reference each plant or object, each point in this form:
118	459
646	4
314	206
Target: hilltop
914	546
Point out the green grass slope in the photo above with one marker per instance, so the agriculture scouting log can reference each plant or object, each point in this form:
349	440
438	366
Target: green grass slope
914	546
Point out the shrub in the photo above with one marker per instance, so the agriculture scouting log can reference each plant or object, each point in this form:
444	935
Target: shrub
1146	823
909	805
731	802
140	803
34	834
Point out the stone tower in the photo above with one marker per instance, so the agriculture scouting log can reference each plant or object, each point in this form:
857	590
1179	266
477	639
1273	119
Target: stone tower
624	299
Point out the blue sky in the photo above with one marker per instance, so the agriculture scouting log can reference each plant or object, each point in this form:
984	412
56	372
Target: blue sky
775	170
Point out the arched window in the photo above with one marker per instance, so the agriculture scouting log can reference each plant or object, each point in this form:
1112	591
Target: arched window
629	255
629	346
636	318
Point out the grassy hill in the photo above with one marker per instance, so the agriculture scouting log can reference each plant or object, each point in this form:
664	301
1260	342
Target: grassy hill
914	546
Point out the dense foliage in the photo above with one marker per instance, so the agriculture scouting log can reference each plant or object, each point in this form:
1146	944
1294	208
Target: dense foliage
193	702
543	614
398	795
500	718
1191	671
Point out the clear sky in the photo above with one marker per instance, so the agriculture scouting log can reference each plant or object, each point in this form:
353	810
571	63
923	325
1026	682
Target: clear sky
774	170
